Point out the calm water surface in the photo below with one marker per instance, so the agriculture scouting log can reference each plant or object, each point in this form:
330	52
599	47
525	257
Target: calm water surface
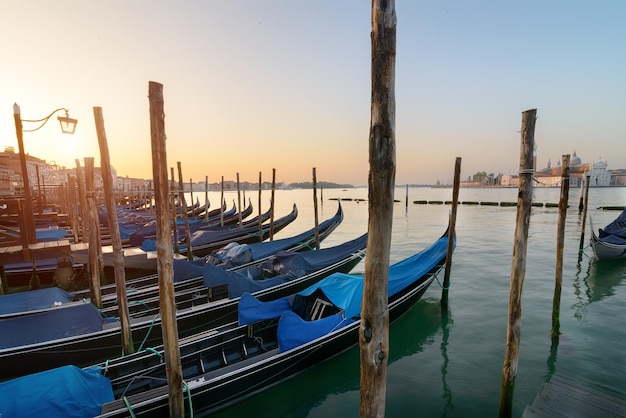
450	364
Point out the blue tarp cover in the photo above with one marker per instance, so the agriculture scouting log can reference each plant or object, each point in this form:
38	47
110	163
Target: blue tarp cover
33	300
49	325
345	291
64	392
285	266
615	232
234	254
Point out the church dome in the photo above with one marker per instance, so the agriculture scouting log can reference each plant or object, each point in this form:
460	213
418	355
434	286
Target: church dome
575	160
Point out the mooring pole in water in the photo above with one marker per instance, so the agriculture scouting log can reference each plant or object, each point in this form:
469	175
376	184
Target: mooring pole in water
451	231
374	326
173	200
222	204
560	243
518	265
581	245
184	206
260	220
165	256
239	201
92	216
206	198
83	213
272	205
317	233
114	228
406	199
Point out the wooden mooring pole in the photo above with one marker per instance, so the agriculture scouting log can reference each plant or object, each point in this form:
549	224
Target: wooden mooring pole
451	231
165	256
560	243
116	240
260	223
374	327
581	245
185	217
239	202
518	264
272	205
173	203
317	233
94	242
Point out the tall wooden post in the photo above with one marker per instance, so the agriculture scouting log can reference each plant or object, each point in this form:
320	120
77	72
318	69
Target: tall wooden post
92	216
114	228
581	245
165	256
560	242
206	199
317	233
451	231
173	203
260	220
80	179
193	212
239	201
374	328
185	217
222	204
272	205
518	265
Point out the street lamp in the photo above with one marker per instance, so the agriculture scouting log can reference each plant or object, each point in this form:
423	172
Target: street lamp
68	126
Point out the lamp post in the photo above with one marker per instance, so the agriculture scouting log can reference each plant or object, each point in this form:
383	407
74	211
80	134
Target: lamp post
68	126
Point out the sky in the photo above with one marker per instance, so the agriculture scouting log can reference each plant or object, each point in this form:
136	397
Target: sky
255	85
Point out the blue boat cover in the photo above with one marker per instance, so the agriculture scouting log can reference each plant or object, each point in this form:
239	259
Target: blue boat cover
33	300
235	254
615	232
64	392
282	268
345	291
49	325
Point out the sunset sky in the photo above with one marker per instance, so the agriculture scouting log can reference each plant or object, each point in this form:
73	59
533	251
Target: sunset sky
259	84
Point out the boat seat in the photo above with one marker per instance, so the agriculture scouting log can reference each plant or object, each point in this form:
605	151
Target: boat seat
319	306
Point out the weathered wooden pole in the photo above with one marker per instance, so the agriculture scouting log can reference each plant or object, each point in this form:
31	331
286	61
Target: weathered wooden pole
222	204
72	207
272	205
192	204
581	245
560	242
239	201
185	217
206	198
451	231
406	200
260	220
173	203
165	256
374	328
317	233
80	179
116	240
518	265
92	216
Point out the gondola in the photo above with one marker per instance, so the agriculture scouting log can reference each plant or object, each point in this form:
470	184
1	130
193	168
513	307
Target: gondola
78	334
270	343
193	279
610	242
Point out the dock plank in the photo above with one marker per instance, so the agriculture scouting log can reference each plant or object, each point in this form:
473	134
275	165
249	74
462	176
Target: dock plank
562	397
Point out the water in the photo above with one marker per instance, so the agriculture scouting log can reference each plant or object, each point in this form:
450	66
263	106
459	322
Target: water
451	365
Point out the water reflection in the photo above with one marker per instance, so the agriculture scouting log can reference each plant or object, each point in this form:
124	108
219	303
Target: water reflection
446	320
598	281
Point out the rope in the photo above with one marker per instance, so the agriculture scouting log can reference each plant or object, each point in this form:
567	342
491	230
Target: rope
130	410
152	350
439	283
186	387
148	333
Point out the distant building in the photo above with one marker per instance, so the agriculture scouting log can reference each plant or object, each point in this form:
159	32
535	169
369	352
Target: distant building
598	172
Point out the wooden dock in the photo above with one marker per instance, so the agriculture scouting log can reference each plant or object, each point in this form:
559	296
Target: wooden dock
562	397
